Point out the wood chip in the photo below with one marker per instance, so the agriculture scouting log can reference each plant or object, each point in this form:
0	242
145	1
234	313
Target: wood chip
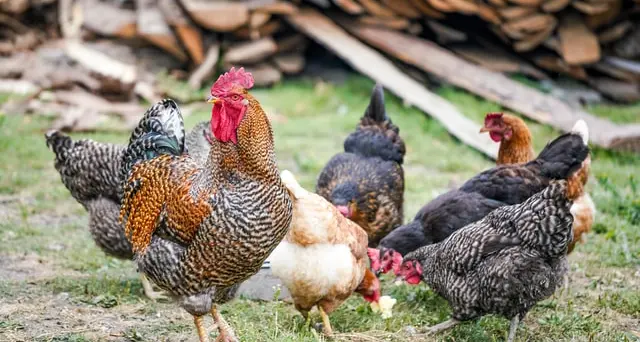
370	62
258	19
498	3
290	63
531	3
264	74
207	68
217	16
578	44
349	6
558	65
153	27
442	5
376	9
108	20
552	6
266	30
534	40
497	59
590	8
276	8
464	6
427	9
489	14
446	34
392	23
516	12
403	7
614	32
191	38
250	52
100	63
531	24
598	20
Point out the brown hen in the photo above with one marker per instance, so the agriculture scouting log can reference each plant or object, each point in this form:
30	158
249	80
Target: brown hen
516	147
366	181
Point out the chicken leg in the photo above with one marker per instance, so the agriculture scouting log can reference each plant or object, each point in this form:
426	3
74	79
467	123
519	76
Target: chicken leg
202	333
326	324
513	328
226	333
149	291
442	326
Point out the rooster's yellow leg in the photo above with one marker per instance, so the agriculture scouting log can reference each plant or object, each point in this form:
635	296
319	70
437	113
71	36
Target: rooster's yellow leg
202	333
326	325
148	289
226	333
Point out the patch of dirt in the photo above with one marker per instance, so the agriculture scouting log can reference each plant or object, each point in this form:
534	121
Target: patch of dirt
28	267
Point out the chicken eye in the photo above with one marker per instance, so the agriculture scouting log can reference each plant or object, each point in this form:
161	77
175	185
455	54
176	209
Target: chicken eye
235	97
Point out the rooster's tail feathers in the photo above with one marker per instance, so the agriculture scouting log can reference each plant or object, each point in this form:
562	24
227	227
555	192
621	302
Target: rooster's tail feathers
376	110
160	131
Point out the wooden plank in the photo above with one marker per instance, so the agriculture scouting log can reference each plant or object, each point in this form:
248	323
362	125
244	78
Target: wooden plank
376	9
552	6
493	86
222	16
392	23
578	45
497	59
250	52
375	65
403	7
349	6
153	27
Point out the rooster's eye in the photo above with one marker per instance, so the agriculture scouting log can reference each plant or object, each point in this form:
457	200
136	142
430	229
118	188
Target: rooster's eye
235	97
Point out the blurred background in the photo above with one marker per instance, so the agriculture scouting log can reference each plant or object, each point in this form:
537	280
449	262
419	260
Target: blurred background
92	67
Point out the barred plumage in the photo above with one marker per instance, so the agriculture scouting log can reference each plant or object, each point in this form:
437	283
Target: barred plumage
200	230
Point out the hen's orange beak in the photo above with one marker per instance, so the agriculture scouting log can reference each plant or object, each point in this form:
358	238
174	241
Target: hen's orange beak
484	129
213	99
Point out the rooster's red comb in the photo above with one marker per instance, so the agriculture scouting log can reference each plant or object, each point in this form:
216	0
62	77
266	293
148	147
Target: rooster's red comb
492	116
231	79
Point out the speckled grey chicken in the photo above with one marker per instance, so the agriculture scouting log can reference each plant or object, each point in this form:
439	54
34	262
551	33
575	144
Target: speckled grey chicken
366	181
91	172
198	231
508	261
490	189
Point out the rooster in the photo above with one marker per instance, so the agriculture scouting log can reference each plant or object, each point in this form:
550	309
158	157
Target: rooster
200	230
493	188
91	172
516	147
323	259
366	181
507	262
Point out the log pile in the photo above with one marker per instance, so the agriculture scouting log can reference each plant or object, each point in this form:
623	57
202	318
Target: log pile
593	41
87	59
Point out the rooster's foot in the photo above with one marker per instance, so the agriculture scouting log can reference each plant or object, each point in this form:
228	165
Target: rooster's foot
225	332
441	326
202	333
513	327
149	291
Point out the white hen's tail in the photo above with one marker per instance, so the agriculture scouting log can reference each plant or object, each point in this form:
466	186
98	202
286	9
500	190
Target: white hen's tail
291	184
582	130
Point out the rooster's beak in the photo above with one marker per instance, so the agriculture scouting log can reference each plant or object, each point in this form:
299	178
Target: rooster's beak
213	99
484	129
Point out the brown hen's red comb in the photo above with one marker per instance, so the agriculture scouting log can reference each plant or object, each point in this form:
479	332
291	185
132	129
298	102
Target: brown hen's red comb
492	116
231	79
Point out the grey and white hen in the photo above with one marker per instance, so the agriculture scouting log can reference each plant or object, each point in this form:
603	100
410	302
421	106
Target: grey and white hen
91	172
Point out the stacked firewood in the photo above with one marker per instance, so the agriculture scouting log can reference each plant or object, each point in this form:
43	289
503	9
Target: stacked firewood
595	41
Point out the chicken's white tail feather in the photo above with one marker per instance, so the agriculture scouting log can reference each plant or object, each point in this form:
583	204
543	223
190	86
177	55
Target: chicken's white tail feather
291	183
582	130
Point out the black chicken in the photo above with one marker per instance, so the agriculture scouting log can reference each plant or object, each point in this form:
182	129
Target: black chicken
493	188
366	181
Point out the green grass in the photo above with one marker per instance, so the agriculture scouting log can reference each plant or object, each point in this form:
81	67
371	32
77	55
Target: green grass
71	291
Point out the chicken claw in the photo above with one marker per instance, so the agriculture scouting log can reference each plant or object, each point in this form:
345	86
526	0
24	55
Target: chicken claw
326	324
513	328
226	333
442	326
149	291
202	333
